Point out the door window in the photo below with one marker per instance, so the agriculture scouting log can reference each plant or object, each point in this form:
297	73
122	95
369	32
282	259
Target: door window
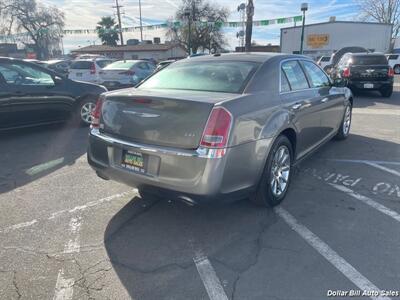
316	76
295	75
21	74
143	66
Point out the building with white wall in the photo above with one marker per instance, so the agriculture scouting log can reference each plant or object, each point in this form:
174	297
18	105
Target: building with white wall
328	37
158	52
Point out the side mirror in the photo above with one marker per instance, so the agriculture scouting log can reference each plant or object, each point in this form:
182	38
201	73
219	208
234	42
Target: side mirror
339	82
58	79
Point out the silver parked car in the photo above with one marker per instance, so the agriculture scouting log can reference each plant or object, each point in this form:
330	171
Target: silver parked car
218	127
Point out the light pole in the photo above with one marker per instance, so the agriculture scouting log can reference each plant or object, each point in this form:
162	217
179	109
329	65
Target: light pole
187	14
304	8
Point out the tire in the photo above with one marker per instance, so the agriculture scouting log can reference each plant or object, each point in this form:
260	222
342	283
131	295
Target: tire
387	92
396	69
345	125
268	193
82	115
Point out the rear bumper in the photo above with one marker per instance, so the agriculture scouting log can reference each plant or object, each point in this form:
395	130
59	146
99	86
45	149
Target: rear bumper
191	175
377	85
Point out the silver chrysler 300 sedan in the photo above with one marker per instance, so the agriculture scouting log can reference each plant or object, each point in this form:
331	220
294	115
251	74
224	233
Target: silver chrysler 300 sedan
219	127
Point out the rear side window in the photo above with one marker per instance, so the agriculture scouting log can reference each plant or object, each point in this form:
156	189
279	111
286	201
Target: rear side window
316	76
213	76
285	87
295	75
21	74
81	65
369	60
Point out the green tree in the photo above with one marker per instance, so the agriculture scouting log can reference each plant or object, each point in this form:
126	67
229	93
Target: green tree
205	33
107	31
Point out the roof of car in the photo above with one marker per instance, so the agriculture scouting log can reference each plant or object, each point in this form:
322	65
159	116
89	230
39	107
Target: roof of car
367	54
246	56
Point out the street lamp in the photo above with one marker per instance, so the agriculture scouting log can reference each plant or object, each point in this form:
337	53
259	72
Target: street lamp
304	8
187	13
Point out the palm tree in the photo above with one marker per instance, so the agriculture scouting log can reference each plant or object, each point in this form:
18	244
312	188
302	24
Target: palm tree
107	31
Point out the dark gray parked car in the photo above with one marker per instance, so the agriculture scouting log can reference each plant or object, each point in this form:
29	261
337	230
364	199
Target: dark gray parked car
218	127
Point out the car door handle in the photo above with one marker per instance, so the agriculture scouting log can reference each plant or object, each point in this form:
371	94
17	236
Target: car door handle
297	106
324	100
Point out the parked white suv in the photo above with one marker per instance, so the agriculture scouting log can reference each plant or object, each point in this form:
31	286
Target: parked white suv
88	70
394	62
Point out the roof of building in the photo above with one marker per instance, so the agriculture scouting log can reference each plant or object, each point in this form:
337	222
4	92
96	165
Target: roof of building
125	48
337	22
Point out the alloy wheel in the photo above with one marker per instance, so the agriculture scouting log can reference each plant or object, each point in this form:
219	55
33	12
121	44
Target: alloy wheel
86	112
347	121
280	171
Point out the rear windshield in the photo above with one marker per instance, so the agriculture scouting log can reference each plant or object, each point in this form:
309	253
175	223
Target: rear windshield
325	58
222	76
369	60
81	65
120	65
103	63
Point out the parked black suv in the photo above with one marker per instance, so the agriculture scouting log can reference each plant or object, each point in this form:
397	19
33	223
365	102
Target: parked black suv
365	71
33	95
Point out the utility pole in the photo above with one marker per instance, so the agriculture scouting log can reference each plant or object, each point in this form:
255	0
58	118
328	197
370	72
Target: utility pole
249	24
304	8
117	6
140	16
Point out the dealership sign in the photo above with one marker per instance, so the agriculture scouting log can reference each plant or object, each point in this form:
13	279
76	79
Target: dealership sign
317	40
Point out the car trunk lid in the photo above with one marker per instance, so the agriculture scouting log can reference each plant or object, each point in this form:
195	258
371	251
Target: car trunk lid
172	118
372	72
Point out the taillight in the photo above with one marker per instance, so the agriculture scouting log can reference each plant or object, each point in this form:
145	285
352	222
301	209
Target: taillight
93	68
129	73
346	73
390	72
96	113
216	132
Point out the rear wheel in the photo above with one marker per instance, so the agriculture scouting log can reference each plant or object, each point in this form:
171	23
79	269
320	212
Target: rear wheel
386	92
84	111
396	69
275	180
344	129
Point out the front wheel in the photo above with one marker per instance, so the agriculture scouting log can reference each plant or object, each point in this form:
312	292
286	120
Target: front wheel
275	180
344	129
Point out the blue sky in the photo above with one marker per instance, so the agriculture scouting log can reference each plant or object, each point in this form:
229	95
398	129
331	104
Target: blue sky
85	15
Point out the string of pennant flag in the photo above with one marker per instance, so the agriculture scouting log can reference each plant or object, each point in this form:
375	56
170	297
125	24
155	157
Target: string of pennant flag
175	24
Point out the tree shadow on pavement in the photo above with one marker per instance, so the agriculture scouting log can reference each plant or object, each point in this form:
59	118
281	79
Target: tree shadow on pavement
31	153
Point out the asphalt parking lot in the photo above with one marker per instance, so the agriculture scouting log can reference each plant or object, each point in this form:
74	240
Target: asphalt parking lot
66	234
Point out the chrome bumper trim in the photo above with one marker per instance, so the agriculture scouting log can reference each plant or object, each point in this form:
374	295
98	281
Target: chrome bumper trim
199	152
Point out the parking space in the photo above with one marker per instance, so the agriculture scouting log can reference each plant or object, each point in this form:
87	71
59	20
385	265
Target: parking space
67	234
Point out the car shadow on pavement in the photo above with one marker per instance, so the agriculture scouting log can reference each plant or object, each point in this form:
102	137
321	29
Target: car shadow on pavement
373	98
32	153
152	243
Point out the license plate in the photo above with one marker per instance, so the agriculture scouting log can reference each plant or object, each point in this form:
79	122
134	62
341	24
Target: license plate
134	161
368	86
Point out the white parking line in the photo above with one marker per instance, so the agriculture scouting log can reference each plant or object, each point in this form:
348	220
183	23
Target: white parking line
64	287
383	209
329	254
375	165
72	210
210	280
362	161
45	166
73	245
